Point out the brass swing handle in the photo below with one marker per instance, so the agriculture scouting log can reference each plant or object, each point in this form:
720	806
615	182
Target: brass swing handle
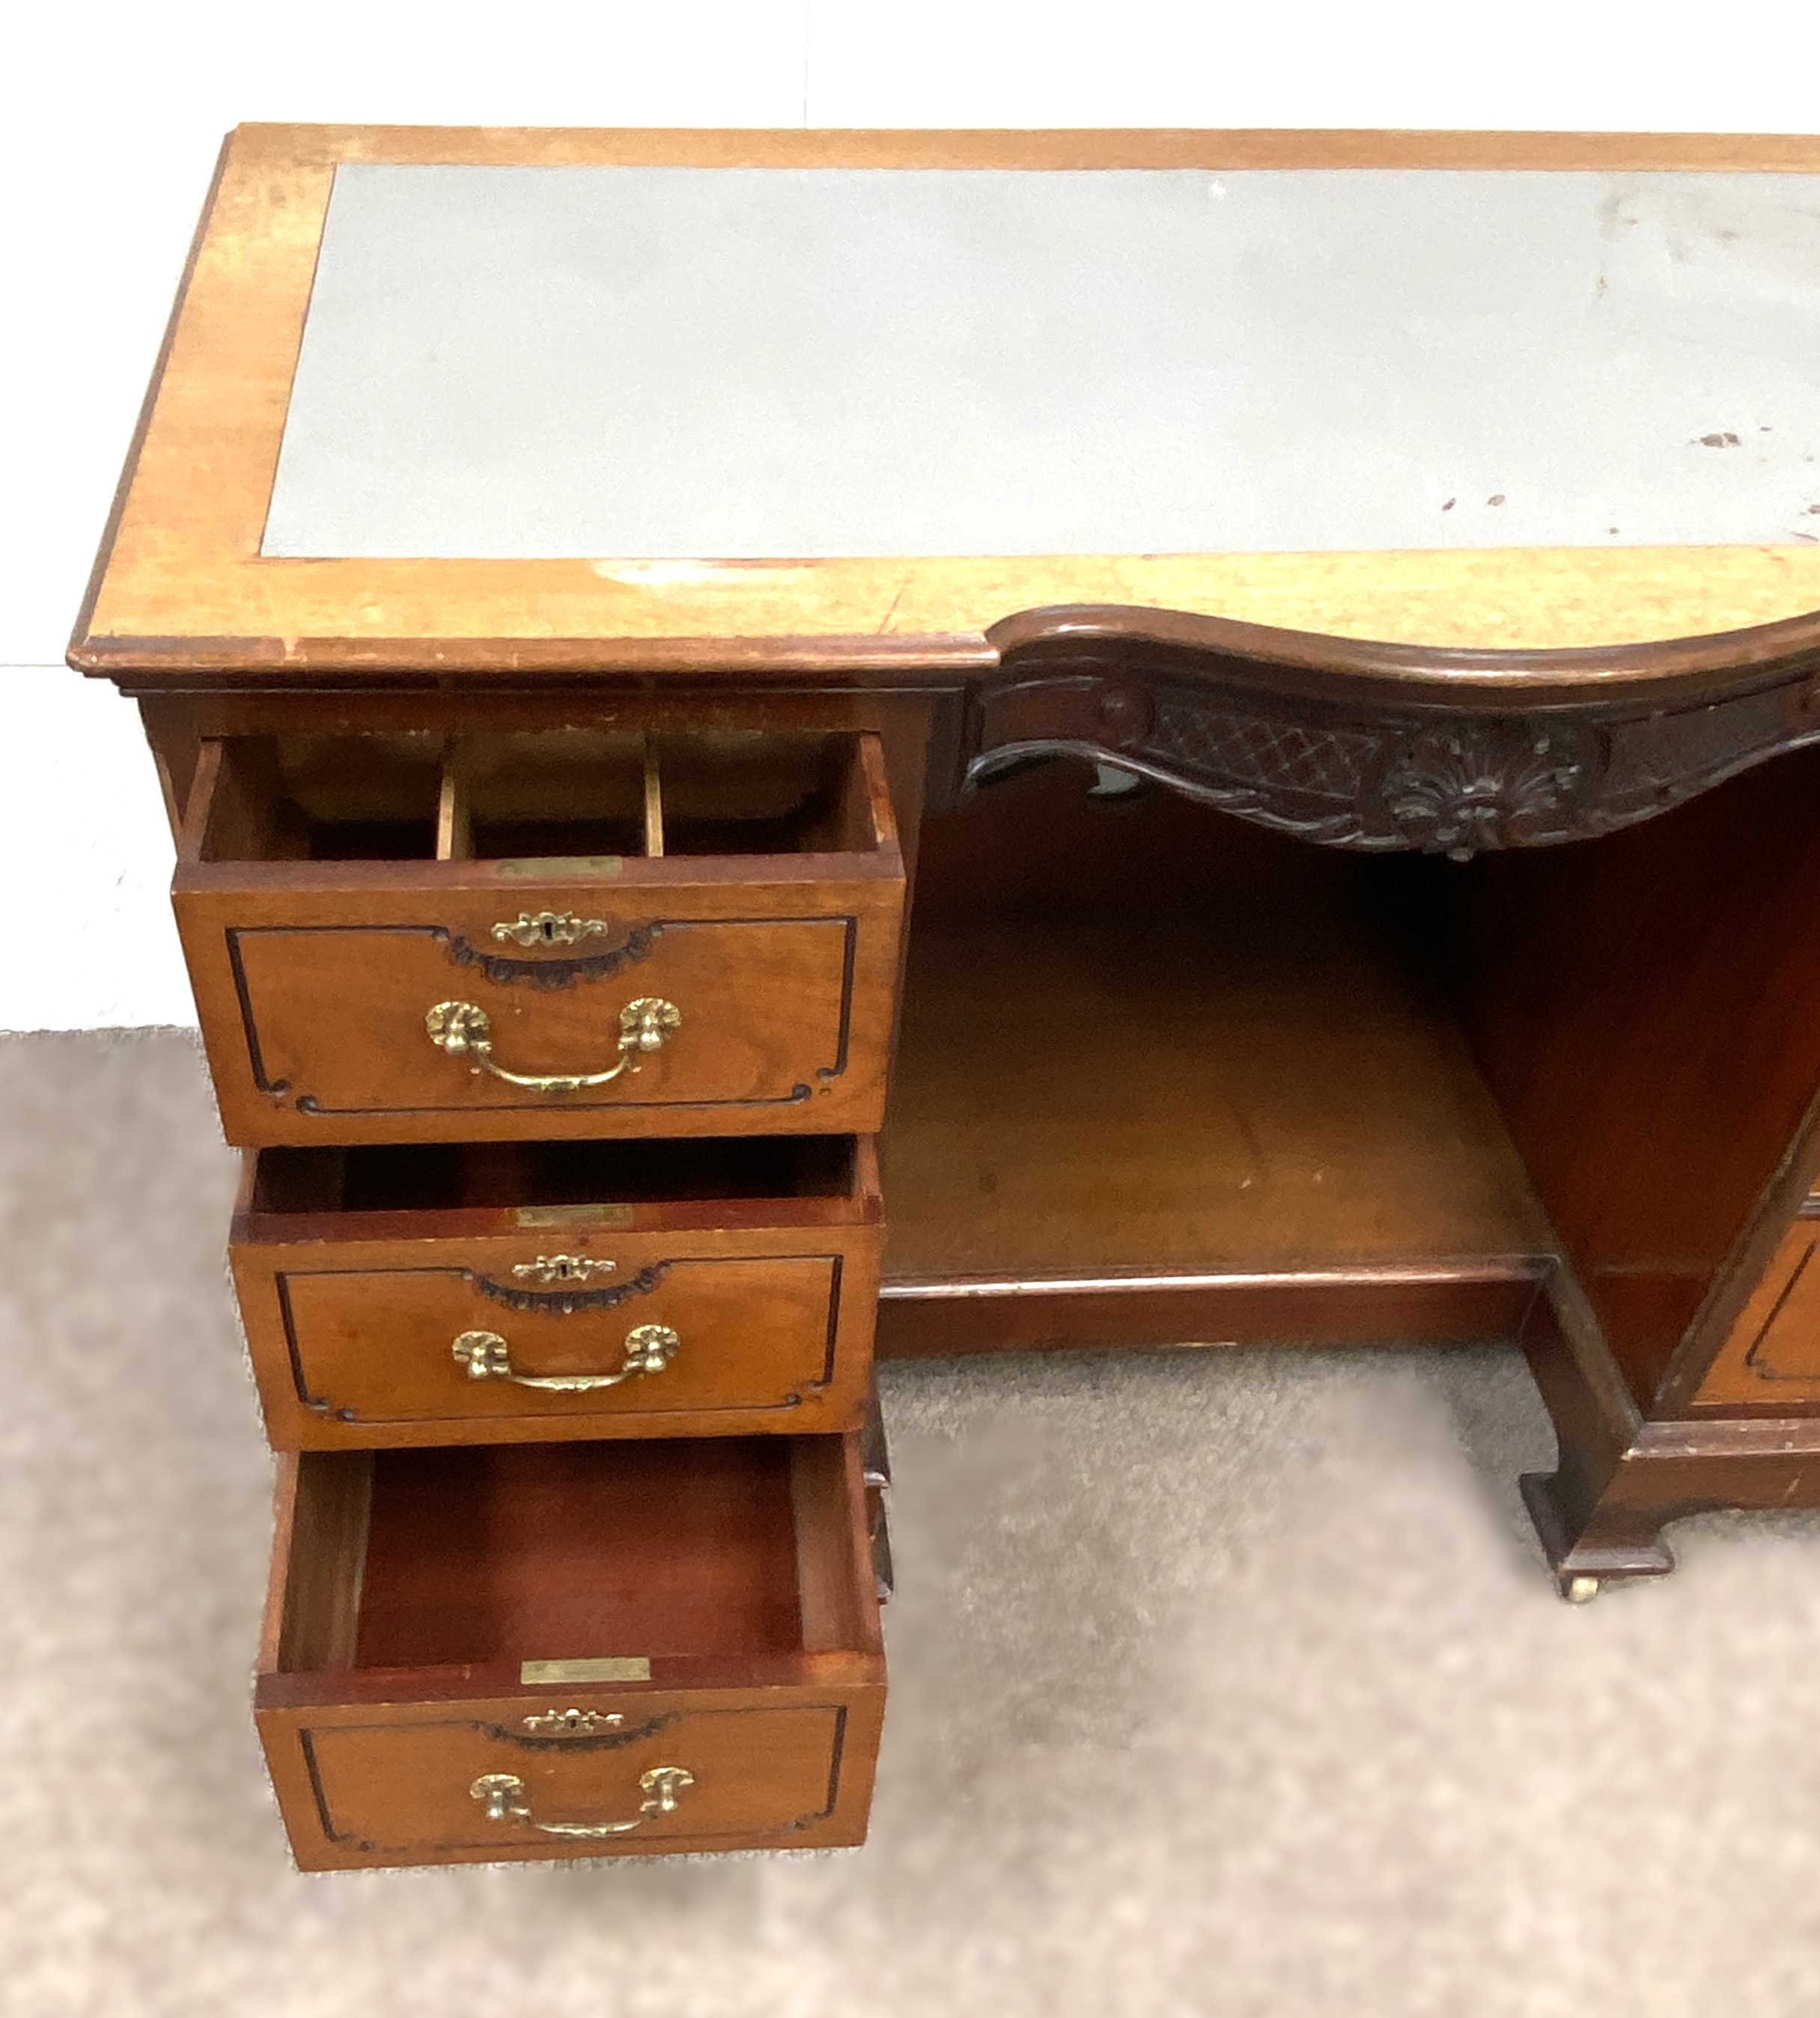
504	1795
465	1029
649	1349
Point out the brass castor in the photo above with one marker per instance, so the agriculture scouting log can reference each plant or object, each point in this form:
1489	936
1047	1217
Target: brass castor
1581	1589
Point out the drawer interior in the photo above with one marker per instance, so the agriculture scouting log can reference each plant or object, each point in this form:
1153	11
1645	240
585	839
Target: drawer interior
492	1556
538	1178
543	795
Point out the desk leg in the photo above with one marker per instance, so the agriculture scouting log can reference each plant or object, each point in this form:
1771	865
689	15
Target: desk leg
1622	1478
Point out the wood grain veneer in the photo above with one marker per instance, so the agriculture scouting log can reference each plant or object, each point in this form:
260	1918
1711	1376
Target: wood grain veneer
181	589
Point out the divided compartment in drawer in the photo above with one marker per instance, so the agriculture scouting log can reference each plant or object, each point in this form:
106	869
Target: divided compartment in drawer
590	1620
560	794
465	1291
696	933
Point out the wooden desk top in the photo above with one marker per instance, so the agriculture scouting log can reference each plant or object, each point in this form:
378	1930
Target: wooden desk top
528	401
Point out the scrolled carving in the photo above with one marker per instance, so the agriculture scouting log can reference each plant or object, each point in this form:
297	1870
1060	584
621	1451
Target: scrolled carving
1423	783
565	1302
1379	750
559	972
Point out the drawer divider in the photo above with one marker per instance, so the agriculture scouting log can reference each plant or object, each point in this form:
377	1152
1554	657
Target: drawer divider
653	802
455	810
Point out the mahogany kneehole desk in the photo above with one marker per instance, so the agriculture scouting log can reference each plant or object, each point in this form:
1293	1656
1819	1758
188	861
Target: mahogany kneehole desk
788	744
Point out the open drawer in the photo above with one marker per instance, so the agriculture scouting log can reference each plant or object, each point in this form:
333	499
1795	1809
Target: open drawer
492	1291
580	1649
416	938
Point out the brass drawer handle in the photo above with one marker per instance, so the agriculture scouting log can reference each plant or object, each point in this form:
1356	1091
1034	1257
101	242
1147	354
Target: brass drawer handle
649	1348
464	1028
504	1795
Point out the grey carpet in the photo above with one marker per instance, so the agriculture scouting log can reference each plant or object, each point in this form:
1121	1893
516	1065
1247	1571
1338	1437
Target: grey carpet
1222	1684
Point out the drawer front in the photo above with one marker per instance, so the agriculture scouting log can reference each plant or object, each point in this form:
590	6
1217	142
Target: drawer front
1772	1360
700	1778
429	1344
338	1029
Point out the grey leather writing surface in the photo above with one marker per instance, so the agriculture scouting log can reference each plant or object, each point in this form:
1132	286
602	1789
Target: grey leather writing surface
773	363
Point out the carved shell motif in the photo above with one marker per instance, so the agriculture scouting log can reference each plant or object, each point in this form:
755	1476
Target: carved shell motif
1477	785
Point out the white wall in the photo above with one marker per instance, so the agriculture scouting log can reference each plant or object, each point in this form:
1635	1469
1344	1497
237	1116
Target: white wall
113	112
